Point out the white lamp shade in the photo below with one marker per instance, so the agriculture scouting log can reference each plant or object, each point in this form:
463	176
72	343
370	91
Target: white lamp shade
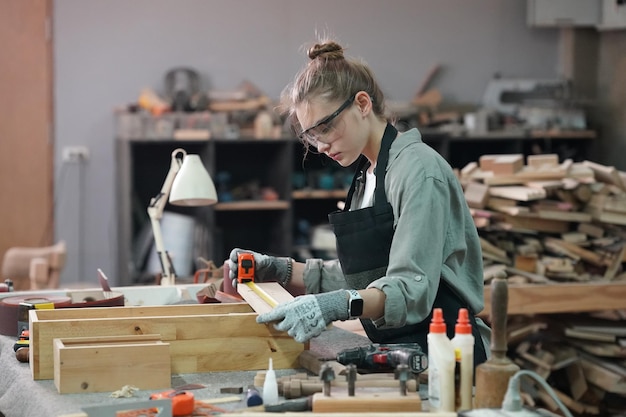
193	185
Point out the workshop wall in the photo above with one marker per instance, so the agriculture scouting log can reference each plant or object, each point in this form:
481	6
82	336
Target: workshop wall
105	51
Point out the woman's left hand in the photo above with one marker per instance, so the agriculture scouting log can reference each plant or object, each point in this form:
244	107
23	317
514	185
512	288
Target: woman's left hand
307	316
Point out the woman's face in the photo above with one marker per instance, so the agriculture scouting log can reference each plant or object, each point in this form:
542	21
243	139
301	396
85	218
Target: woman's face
333	128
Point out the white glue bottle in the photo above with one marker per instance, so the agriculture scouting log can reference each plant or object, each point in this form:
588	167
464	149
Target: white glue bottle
440	365
463	344
270	386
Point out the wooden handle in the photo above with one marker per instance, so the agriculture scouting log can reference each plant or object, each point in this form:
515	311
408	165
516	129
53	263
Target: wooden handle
499	303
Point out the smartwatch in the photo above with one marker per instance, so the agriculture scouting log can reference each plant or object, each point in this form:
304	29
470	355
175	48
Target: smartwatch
355	304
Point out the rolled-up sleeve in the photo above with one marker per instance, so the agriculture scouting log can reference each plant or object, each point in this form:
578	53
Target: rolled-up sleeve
323	276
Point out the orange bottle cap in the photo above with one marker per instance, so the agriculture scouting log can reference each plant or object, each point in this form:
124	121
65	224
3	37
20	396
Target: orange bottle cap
463	325
437	325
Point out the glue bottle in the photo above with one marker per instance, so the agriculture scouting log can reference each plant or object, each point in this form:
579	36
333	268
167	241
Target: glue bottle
463	344
270	386
440	365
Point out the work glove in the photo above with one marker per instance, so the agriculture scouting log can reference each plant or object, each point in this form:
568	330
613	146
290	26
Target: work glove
266	268
307	316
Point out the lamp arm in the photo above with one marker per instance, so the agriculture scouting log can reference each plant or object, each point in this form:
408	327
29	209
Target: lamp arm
155	212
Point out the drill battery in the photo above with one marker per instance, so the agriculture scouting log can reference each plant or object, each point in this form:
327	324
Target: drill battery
385	357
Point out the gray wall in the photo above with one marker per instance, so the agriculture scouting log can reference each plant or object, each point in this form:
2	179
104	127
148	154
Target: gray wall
105	51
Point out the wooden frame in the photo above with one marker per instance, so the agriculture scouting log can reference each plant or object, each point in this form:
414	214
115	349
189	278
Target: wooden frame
202	337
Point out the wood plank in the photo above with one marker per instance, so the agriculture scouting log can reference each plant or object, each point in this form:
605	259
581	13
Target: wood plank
518	193
366	402
272	291
562	298
531	221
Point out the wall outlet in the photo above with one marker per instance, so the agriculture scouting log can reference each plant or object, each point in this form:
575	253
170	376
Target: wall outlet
75	154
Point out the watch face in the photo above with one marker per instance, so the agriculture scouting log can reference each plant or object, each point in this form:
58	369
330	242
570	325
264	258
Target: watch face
356	307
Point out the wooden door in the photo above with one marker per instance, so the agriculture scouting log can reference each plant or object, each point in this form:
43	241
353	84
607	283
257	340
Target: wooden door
26	145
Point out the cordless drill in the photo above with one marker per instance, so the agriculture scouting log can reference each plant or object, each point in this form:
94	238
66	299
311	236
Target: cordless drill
385	357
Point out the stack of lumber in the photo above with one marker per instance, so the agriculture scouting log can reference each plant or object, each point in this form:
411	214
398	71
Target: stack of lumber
547	220
582	357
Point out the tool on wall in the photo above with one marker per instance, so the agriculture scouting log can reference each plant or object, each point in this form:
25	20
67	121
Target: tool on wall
182	88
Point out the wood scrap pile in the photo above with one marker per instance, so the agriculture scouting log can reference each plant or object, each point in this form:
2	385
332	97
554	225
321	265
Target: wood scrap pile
582	357
546	220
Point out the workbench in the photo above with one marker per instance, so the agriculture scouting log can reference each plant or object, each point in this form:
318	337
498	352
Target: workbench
20	395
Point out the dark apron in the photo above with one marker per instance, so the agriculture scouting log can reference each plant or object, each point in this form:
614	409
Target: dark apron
363	243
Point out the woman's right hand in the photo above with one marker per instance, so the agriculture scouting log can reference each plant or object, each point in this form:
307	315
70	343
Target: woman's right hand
266	268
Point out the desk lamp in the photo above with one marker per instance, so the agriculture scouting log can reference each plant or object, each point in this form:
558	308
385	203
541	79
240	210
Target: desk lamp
188	184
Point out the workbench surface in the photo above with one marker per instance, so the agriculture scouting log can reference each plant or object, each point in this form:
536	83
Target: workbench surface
20	395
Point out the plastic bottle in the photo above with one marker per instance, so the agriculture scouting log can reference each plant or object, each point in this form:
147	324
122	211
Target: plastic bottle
440	365
463	343
270	386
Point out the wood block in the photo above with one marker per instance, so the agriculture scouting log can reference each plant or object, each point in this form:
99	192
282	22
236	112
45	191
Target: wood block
99	364
531	221
370	402
202	337
476	194
591	230
518	193
505	164
542	161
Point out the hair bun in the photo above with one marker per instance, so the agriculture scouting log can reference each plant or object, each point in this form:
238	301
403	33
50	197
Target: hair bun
329	50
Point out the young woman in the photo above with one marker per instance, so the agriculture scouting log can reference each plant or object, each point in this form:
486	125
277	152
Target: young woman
406	241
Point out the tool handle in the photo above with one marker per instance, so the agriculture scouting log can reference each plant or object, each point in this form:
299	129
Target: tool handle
499	305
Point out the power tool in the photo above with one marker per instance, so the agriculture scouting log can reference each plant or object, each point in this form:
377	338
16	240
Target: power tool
385	357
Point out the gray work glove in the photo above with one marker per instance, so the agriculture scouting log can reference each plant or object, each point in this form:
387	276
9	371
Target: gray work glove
307	316
266	268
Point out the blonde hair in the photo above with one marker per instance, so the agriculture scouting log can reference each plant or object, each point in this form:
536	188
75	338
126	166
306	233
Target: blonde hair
331	76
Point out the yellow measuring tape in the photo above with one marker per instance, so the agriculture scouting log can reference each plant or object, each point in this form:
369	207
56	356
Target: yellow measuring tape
262	293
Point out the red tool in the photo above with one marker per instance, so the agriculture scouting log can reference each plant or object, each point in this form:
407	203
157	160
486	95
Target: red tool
245	267
183	402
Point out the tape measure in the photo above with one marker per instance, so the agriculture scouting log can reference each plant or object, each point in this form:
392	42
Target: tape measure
31	304
262	293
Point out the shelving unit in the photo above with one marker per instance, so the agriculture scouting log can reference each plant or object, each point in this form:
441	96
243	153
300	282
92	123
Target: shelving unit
308	189
250	222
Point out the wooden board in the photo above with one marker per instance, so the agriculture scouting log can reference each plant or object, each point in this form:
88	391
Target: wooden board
100	364
271	291
202	337
366	402
561	298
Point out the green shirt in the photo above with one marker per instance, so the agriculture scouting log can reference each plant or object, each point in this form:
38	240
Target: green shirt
435	238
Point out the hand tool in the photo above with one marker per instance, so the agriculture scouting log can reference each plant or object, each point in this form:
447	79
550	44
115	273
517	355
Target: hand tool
245	267
25	306
385	357
182	401
245	275
492	376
